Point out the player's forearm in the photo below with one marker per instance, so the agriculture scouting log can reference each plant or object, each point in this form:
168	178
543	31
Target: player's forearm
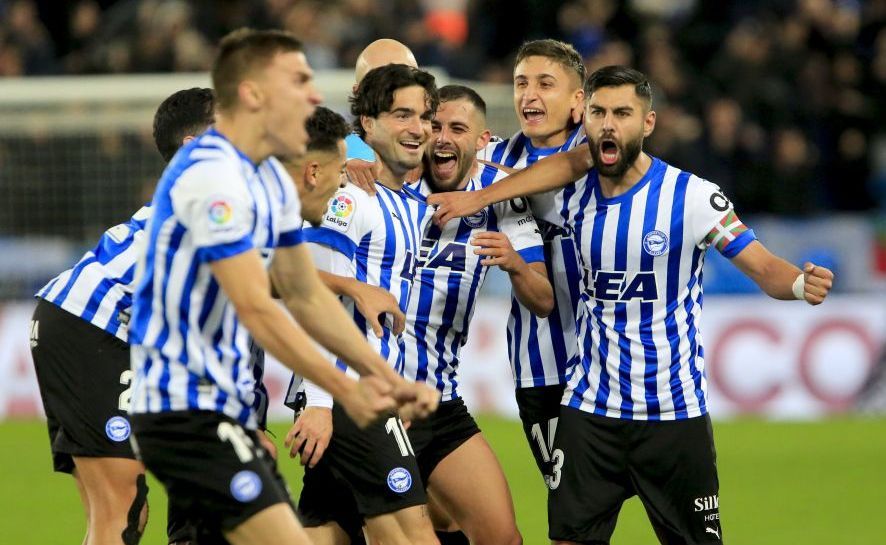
337	332
533	290
281	337
548	174
777	278
339	285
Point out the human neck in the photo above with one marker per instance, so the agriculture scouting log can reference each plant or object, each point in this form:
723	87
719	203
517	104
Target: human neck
613	187
244	134
554	140
391	179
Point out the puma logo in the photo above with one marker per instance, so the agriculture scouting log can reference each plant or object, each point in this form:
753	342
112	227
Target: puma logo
710	530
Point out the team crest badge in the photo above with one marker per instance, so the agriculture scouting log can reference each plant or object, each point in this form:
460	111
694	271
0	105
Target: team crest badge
655	243
399	480
117	429
245	486
476	221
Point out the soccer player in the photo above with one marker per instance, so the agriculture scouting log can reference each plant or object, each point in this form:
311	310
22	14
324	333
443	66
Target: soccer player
222	205
454	458
81	354
374	240
635	418
362	166
548	77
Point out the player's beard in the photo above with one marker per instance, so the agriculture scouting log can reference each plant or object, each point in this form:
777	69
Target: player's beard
627	154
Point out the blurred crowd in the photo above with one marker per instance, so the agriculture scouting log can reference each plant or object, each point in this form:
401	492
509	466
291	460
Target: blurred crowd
778	101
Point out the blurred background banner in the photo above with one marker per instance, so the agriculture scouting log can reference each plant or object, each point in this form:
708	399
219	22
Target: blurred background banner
778	102
765	358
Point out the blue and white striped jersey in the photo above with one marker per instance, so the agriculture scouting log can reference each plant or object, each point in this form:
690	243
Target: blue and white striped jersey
99	287
448	278
189	351
642	254
544	350
374	239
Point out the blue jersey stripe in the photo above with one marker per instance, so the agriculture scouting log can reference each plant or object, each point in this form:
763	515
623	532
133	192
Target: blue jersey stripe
650	354
673	288
621	312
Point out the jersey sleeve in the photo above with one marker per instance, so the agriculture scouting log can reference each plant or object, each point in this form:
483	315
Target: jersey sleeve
515	220
291	220
212	202
714	221
358	149
350	216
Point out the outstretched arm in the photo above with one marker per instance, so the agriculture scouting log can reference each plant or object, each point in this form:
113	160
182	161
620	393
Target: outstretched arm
782	280
550	173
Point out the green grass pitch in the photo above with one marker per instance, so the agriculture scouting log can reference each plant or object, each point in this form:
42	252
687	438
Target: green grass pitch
781	483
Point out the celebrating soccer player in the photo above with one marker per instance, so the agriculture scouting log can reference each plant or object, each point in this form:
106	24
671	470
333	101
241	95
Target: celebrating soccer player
454	459
548	77
374	240
221	207
81	354
634	419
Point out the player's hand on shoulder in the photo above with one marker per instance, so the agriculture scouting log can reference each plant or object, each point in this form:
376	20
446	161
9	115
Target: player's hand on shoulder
455	204
371	400
818	282
426	400
310	434
363	174
496	248
375	303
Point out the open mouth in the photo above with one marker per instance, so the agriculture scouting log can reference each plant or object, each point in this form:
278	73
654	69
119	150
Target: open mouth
533	115
411	145
445	162
608	152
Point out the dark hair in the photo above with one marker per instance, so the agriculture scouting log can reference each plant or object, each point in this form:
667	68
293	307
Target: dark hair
555	50
375	94
325	129
184	113
616	76
456	92
241	51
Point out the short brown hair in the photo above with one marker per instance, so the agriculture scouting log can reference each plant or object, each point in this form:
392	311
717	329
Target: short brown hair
240	52
555	50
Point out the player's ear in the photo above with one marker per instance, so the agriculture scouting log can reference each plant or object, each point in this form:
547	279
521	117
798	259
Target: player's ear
368	123
649	123
249	94
187	139
483	139
311	175
578	107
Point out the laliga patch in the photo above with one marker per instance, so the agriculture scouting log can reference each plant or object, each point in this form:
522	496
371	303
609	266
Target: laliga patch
655	243
220	212
476	221
399	480
341	211
245	486
117	429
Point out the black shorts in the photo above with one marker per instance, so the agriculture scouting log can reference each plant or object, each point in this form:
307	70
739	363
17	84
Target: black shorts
218	472
539	409
435	437
83	374
376	465
670	465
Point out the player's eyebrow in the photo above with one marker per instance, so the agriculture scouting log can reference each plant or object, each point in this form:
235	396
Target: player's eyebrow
407	111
